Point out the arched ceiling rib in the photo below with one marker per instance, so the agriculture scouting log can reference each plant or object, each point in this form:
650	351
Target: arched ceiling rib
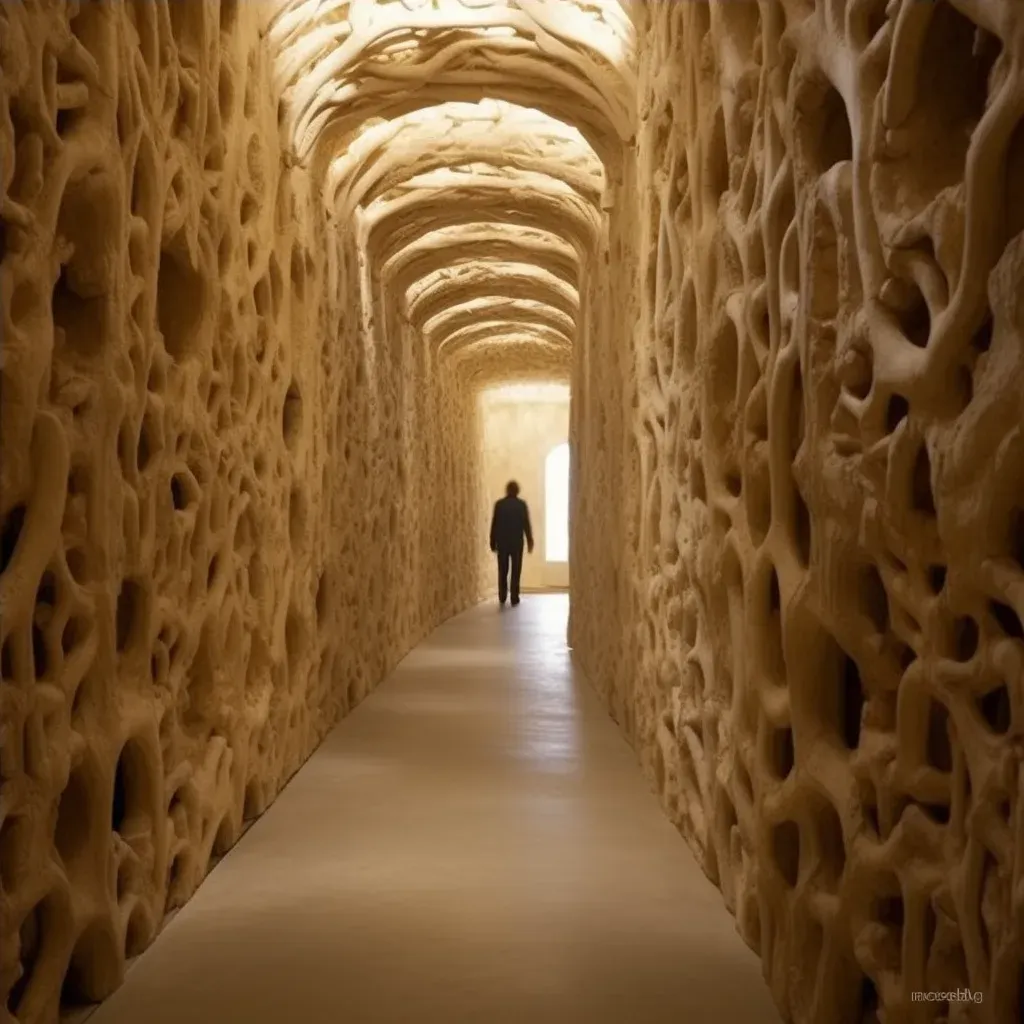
524	284
433	261
489	310
500	333
449	245
468	142
389	226
341	64
510	360
388	154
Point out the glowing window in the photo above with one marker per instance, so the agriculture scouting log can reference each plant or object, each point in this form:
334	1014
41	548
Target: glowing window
556	504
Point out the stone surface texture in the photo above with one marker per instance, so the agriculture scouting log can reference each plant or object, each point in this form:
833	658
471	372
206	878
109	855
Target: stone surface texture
257	260
812	631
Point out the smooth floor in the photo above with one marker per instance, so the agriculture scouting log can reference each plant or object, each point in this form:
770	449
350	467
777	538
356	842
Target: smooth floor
474	843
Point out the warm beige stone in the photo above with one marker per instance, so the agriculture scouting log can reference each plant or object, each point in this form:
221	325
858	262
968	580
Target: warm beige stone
257	260
821	579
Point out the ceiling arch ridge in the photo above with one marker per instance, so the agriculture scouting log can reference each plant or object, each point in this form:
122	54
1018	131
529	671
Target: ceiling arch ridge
514	357
528	288
389	154
485	237
389	48
388	226
300	30
473	271
344	123
462	315
524	282
499	331
435	261
484	175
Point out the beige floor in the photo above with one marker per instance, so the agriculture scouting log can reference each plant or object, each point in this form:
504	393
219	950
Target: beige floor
474	844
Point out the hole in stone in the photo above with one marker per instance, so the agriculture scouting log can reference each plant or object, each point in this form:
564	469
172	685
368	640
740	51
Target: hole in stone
921	498
1016	536
852	702
717	160
781	752
40	655
869	805
939	751
995	709
896	411
322	598
698	487
292	416
914	318
868	999
889	911
74	816
1007	618
831	848
13	523
874	599
965	638
6	660
724	366
179	491
181	298
937	812
131	778
936	577
834	143
131	603
786	850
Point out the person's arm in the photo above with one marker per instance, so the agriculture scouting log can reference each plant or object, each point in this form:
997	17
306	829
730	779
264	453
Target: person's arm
494	528
526	528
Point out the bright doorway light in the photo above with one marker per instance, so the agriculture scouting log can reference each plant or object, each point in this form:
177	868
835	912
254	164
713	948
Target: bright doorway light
556	504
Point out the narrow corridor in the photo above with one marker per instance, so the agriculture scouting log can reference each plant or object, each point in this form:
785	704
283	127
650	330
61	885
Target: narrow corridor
475	843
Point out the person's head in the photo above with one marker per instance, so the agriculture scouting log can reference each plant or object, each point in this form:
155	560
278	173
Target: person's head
512	489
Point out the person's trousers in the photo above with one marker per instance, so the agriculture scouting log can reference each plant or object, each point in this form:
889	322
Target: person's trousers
509	560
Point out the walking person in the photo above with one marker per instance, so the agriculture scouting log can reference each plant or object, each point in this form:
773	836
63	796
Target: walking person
510	524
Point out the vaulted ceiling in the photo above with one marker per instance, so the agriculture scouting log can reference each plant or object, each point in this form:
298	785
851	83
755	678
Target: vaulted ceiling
466	143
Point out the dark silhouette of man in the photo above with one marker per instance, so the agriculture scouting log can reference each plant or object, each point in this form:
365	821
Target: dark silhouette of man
509	525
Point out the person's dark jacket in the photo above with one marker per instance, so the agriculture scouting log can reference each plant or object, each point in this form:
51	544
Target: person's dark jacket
509	524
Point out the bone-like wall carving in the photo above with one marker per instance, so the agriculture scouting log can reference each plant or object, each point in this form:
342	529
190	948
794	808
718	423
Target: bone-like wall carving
257	259
826	593
212	537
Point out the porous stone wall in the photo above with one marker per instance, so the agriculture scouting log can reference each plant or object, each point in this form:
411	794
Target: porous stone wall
519	430
217	531
825	675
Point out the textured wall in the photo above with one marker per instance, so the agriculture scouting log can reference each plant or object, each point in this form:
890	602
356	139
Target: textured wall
826	470
519	432
251	276
213	537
